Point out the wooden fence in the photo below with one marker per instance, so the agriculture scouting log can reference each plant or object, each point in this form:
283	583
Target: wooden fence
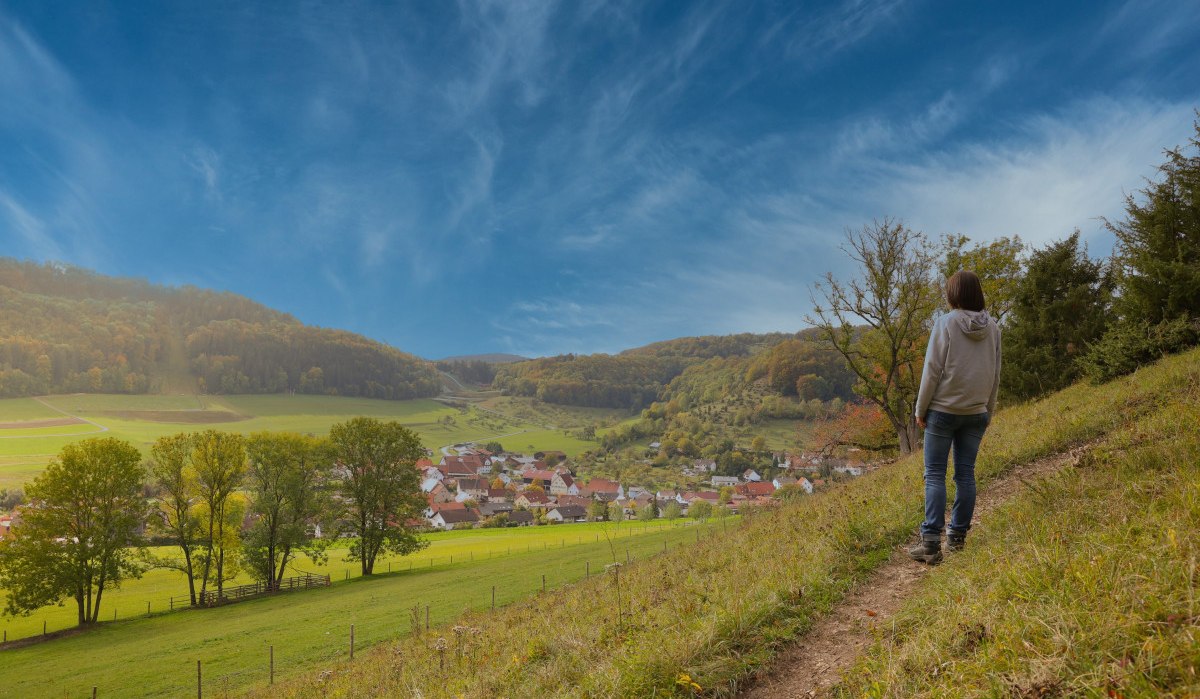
241	592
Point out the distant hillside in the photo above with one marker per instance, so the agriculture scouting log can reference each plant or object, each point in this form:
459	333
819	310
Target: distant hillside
637	377
493	358
66	329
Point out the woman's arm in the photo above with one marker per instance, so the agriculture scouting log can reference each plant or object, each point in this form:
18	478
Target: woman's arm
935	363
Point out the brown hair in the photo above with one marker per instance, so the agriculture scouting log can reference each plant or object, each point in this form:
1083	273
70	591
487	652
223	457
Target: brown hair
964	291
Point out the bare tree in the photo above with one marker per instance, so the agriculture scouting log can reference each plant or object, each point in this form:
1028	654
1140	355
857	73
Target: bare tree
894	297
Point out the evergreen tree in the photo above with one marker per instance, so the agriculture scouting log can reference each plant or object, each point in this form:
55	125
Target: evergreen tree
1157	251
1157	264
1060	307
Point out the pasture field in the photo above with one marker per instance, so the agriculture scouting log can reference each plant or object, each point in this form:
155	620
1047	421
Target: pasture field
21	409
158	586
142	419
156	655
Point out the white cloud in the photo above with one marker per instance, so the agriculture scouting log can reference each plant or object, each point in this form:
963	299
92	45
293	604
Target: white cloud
29	227
1062	172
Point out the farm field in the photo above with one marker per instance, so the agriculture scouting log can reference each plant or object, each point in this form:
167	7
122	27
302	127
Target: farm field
156	655
141	419
157	587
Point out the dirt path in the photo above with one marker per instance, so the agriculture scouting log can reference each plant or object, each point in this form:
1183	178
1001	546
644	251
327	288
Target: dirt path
816	661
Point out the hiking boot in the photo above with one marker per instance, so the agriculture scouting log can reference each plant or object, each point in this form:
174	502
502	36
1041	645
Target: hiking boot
956	541
927	552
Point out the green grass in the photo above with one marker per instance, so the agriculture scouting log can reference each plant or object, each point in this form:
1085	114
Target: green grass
1087	586
24	451
17	409
719	610
158	586
156	656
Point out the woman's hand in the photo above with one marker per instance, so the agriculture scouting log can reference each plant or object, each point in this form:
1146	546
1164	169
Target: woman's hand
921	422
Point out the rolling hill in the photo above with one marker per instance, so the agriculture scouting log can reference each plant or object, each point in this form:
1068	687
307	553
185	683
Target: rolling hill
64	329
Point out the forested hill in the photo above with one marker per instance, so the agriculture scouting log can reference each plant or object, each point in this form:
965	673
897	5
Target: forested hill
67	329
703	368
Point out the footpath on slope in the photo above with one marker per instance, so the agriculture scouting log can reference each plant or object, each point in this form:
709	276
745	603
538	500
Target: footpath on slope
815	662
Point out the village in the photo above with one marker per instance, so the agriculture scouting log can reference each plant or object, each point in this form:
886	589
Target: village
477	488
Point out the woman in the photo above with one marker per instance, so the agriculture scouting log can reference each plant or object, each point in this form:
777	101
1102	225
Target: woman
954	406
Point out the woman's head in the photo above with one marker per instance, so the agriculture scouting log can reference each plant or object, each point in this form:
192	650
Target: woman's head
964	291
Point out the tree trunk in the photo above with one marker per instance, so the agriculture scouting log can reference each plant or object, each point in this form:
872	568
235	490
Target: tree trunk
191	572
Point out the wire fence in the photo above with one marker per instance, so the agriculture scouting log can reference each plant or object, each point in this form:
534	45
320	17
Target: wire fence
220	677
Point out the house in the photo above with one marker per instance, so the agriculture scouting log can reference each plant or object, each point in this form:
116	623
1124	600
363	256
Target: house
781	481
709	496
538	476
454	519
602	486
434	507
722	481
563	484
434	472
567	513
533	500
6	522
573	500
440	493
489	509
656	445
704	465
429	483
806	484
670	495
755	489
848	470
751	475
462	465
521	518
499	495
474	488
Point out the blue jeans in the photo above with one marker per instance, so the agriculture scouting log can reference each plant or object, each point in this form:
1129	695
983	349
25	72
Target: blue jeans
964	433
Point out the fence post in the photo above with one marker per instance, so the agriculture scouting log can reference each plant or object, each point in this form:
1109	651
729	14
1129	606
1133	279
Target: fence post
493	597
199	683
427	617
147	607
272	664
587	569
389	566
347	574
352	641
543	588
94	691
43	627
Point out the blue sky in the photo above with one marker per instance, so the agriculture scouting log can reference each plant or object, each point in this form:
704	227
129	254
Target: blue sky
566	177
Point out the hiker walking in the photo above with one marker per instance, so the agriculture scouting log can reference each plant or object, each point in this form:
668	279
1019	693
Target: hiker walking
954	406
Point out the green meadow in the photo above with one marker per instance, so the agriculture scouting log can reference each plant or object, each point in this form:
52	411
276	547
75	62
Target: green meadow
156	589
156	655
26	446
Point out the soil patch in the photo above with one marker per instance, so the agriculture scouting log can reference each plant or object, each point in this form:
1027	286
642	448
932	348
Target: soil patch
179	416
812	665
48	422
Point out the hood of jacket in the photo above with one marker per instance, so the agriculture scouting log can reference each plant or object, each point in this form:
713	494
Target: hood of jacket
973	324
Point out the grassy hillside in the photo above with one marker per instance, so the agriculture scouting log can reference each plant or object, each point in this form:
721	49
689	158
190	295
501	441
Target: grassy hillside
701	618
156	656
1088	586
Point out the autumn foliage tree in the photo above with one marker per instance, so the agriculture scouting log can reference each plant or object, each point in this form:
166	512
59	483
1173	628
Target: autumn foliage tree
895	296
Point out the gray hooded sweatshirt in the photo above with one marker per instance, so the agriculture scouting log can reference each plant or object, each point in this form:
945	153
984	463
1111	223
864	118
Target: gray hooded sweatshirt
962	365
